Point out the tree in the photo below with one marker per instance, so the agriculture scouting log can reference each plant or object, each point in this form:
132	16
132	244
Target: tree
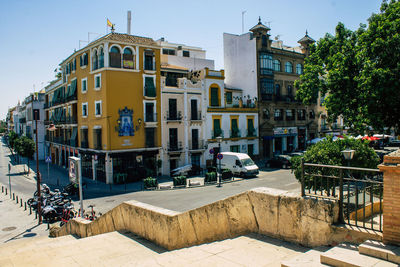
12	137
25	147
328	152
358	72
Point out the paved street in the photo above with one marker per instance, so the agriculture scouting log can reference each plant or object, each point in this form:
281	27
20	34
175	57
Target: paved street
105	197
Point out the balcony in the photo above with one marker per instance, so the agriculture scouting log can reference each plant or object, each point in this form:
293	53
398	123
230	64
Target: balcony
175	146
84	144
150	117
174	116
266	97
71	98
251	132
234	133
196	116
71	120
290	118
196	145
150	143
215	133
278	118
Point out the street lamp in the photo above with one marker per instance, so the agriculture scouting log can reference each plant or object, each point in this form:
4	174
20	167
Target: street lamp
348	154
219	140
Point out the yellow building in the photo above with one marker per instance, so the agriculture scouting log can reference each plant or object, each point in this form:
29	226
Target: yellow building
107	90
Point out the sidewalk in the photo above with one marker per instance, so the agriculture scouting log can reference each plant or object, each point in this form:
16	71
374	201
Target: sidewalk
16	223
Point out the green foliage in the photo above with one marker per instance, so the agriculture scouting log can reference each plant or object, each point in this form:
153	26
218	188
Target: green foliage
328	152
210	177
358	72
25	146
12	137
180	180
227	174
150	182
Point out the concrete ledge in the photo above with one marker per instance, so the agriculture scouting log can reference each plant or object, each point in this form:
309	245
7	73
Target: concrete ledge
380	250
267	211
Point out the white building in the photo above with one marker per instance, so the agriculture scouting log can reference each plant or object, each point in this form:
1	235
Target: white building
182	105
32	103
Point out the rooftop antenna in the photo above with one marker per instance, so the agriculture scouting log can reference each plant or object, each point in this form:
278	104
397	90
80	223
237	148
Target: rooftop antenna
82	41
243	12
128	31
268	23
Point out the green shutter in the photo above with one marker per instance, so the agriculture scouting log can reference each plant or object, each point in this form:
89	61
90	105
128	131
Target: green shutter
150	89
214	97
235	130
250	126
229	97
217	128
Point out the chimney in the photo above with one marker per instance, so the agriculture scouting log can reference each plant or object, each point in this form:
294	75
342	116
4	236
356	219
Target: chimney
129	23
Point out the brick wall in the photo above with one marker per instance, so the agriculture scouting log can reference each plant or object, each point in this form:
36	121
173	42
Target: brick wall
391	198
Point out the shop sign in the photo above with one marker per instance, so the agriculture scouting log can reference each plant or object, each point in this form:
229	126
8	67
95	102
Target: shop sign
285	130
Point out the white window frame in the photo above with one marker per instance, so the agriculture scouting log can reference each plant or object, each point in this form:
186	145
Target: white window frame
95	77
87	109
144	83
82	80
95	108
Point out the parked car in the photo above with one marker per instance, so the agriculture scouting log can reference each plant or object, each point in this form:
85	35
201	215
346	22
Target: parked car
279	161
239	164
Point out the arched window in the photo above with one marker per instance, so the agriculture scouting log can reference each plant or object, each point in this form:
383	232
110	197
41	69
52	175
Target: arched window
299	69
101	58
95	62
115	57
277	65
277	89
288	67
128	58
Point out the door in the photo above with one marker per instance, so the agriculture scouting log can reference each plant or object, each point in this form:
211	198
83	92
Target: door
172	109
195	138
173	139
193	108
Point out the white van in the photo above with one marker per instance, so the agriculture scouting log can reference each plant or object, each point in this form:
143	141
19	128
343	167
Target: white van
239	163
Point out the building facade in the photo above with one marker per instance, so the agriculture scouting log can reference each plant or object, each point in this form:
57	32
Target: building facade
102	98
268	69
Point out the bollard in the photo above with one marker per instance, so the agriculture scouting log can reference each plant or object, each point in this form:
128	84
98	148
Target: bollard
35	215
25	205
30	209
13	196
20	202
17	199
2	189
6	191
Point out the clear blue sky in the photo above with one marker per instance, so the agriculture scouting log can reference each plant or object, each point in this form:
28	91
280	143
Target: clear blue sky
37	35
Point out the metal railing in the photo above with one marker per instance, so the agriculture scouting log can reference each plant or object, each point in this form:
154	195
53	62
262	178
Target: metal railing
252	132
175	146
359	192
174	116
234	133
150	117
195	116
216	133
196	144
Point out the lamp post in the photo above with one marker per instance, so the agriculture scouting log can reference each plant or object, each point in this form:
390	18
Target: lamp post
219	140
348	155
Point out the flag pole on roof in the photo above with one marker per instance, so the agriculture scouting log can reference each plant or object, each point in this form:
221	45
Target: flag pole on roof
109	24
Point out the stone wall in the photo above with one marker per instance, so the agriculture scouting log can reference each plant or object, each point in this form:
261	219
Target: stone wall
271	212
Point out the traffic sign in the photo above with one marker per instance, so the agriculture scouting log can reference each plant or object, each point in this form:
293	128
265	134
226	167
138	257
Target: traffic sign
211	151
48	159
220	156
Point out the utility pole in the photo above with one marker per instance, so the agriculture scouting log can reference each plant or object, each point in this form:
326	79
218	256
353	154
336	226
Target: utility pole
38	177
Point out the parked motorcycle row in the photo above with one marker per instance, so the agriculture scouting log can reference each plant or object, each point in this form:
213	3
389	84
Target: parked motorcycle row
57	205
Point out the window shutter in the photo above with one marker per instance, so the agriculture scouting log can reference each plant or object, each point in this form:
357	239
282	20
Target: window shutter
214	97
150	89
